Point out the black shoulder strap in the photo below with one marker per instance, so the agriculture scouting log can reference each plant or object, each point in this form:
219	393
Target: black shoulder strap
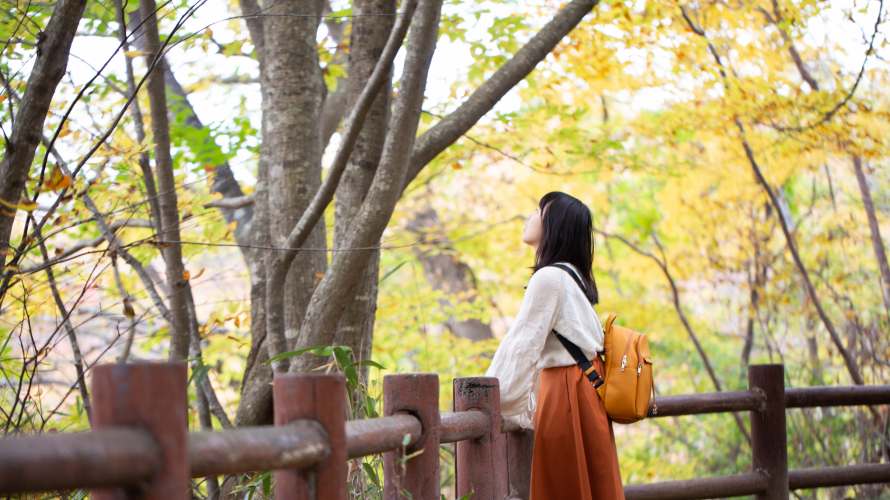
574	350
573	275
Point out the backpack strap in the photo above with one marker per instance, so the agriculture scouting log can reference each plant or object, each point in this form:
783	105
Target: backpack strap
573	275
595	379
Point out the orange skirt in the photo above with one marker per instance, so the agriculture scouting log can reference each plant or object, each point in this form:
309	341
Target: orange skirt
574	455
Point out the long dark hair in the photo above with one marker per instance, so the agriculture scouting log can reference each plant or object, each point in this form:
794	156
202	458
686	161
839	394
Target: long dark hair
567	236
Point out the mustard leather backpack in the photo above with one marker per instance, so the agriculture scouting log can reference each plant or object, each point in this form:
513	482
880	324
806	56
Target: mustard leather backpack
628	382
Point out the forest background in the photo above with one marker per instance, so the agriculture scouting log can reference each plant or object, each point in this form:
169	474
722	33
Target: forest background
733	154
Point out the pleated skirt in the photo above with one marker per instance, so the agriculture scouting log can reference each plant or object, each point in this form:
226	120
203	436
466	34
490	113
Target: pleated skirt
574	455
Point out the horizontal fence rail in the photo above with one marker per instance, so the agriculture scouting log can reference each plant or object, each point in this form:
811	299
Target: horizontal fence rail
139	439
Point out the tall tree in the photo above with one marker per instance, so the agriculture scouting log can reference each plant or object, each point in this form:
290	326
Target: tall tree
370	30
53	48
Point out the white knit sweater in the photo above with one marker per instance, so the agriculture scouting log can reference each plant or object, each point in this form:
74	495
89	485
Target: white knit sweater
553	301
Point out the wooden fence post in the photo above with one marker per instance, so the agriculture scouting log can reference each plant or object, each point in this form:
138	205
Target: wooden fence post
418	395
481	463
768	434
519	462
153	397
321	398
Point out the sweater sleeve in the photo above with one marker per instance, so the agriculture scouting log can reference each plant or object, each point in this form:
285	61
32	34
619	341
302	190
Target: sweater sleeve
515	362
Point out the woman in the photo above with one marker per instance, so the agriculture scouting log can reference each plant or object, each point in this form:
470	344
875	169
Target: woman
541	385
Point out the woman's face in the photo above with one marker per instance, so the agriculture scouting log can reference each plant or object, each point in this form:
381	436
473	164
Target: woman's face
534	227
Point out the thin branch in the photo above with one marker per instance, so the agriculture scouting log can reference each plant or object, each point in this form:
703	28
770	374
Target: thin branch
482	100
129	312
72	336
849	360
83	244
233	203
662	264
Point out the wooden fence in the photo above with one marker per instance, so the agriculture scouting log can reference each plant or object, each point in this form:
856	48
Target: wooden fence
140	446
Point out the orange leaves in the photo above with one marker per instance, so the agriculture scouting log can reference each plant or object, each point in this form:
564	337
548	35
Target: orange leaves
57	181
186	275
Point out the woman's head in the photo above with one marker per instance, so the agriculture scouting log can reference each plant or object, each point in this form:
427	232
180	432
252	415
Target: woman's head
561	230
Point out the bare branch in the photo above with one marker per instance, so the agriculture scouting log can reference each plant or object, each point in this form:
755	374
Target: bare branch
877	242
676	299
849	360
167	200
83	244
233	203
72	336
49	67
443	134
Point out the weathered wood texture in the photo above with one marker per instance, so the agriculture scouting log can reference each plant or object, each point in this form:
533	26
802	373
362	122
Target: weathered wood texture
299	445
459	426
809	397
520	445
152	397
418	395
823	477
751	483
711	402
104	457
138	443
321	398
481	463
377	435
768	433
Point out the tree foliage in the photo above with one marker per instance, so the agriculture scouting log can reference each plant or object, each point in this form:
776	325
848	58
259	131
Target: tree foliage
717	144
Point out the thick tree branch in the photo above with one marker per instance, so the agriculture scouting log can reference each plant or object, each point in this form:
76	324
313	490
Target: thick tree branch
233	203
167	200
335	103
278	263
49	67
148	177
346	268
443	134
877	242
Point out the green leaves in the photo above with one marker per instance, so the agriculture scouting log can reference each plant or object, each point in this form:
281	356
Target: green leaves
198	373
372	474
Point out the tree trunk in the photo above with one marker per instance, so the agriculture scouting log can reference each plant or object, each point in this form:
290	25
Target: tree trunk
172	252
370	30
27	130
877	243
444	272
346	268
293	98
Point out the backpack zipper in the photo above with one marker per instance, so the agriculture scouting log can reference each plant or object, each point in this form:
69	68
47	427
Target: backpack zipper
626	350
